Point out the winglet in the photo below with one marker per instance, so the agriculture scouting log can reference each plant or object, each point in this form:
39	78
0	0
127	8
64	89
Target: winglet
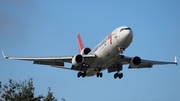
5	57
80	43
175	60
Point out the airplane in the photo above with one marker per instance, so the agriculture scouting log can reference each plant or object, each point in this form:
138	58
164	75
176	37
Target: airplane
108	54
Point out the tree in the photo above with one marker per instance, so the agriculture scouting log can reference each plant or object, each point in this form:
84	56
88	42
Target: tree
22	91
50	96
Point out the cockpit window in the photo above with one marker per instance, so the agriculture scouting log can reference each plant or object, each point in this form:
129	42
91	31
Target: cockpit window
125	29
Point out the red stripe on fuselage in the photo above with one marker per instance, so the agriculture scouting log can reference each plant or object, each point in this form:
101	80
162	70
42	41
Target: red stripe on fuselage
80	43
110	38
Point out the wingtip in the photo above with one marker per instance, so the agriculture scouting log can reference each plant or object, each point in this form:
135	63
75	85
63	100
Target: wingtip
175	60
4	56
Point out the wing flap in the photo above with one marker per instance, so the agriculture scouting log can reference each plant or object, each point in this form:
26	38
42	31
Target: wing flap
52	63
66	68
115	67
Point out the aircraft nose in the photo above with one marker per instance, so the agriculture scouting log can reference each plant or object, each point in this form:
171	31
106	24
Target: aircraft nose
128	34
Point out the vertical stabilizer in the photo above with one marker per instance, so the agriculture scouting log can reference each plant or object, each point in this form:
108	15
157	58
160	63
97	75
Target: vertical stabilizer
80	43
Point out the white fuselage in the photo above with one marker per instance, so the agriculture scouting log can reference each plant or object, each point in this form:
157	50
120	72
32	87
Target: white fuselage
109	49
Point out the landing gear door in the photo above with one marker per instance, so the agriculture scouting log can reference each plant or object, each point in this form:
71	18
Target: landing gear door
114	68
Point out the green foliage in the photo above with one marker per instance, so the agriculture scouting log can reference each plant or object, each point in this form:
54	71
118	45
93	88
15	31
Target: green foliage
50	96
22	91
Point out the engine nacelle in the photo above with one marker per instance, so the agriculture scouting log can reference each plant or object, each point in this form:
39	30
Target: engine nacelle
135	62
85	51
77	60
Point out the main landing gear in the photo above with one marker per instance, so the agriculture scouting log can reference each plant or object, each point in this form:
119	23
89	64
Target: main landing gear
118	75
99	74
79	74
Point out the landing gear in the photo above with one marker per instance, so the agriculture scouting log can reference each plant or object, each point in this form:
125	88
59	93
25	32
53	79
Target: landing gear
79	74
118	75
99	74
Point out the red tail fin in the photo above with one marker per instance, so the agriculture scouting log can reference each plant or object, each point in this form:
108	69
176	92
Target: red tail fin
80	43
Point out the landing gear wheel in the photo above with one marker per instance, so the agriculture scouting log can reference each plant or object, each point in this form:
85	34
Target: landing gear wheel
83	74
101	74
116	75
97	75
120	75
79	74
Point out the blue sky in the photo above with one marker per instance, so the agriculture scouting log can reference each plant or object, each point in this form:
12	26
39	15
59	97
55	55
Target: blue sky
49	28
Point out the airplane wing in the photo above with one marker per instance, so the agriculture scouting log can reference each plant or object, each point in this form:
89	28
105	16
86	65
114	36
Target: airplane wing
125	60
57	61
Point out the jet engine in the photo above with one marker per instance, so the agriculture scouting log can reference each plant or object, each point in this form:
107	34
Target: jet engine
135	62
77	60
85	51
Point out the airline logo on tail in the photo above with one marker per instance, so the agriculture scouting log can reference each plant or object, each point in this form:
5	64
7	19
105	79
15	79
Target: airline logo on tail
80	43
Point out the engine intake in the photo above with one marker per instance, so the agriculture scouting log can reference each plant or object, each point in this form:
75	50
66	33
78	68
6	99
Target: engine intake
77	60
135	62
85	51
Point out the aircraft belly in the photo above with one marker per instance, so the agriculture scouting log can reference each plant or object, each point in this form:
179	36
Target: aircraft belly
91	73
105	58
103	65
